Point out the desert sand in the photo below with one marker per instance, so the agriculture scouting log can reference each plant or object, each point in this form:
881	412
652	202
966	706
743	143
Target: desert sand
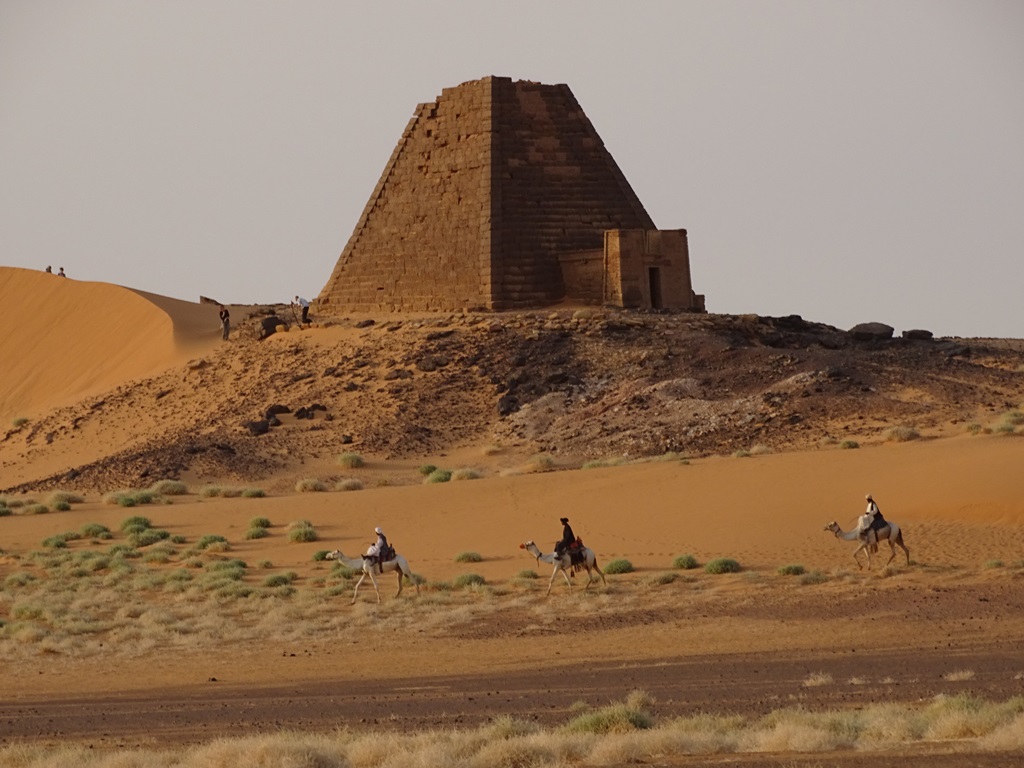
949	622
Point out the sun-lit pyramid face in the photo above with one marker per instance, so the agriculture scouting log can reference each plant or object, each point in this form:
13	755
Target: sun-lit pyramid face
489	186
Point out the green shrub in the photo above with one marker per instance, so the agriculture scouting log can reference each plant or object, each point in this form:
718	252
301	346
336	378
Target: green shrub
211	491
146	537
814	577
168	488
310	485
280	579
741	454
619	566
257	533
253	493
439	476
427	469
205	542
468	557
527	574
791	570
61	506
1004	429
974	428
320	555
468	580
723	565
685	562
849	445
55	542
58	497
351	460
1014	417
541	463
93	530
34	509
349	484
19	422
902	434
5	511
136	523
465	474
302	531
665	578
259	522
630	715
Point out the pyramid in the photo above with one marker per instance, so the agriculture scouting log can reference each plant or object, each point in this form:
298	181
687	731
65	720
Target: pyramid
491	188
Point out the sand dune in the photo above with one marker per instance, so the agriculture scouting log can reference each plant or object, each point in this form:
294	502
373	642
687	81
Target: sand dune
69	339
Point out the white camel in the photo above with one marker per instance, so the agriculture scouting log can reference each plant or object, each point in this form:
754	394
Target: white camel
369	568
564	563
890	533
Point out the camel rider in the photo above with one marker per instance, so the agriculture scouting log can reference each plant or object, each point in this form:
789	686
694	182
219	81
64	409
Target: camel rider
871	520
379	549
568	537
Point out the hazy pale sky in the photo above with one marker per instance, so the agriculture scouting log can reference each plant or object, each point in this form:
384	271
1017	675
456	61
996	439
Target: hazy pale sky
845	161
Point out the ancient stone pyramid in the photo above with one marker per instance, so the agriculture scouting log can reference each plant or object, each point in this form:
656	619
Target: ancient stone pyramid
488	187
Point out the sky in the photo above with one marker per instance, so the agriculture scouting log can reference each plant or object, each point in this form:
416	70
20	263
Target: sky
843	161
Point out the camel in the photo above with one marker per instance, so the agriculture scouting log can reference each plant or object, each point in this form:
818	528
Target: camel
564	563
891	533
369	568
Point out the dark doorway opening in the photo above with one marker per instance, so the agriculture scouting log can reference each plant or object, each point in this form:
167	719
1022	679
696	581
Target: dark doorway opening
654	280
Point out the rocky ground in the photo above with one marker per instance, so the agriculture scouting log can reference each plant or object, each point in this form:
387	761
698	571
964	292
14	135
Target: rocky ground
579	385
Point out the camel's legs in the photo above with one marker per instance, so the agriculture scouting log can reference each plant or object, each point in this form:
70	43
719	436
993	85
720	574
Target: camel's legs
554	573
399	582
356	592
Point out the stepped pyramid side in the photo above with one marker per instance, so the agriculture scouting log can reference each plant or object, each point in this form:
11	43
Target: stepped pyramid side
486	187
556	190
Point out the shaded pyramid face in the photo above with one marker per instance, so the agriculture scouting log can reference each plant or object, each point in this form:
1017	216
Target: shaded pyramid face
488	186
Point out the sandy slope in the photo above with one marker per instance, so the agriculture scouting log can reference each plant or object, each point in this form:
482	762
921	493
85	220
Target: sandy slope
960	501
68	339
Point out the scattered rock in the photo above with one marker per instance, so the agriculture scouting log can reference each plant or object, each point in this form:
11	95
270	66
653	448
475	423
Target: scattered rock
918	335
260	427
871	331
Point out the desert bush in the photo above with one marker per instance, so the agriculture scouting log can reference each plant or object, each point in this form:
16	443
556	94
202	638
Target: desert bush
685	562
302	531
320	555
619	566
210	540
468	557
5	511
527	574
1014	417
741	454
66	497
34	509
58	541
760	450
61	506
902	434
259	522
168	488
594	464
791	570
624	717
541	463
974	428
93	530
253	493
19	422
211	491
280	579
468	580
848	445
310	485
257	533
817	679
994	564
665	578
465	474
349	484
351	460
427	469
135	523
723	565
439	476
1004	429
147	537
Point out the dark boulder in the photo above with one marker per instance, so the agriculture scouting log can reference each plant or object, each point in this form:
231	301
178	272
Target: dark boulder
918	335
260	427
871	331
269	326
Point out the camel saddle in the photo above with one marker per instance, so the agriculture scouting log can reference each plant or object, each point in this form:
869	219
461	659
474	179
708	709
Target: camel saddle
576	552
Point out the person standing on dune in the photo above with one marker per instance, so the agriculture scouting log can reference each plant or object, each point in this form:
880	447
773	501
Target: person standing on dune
225	321
305	308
